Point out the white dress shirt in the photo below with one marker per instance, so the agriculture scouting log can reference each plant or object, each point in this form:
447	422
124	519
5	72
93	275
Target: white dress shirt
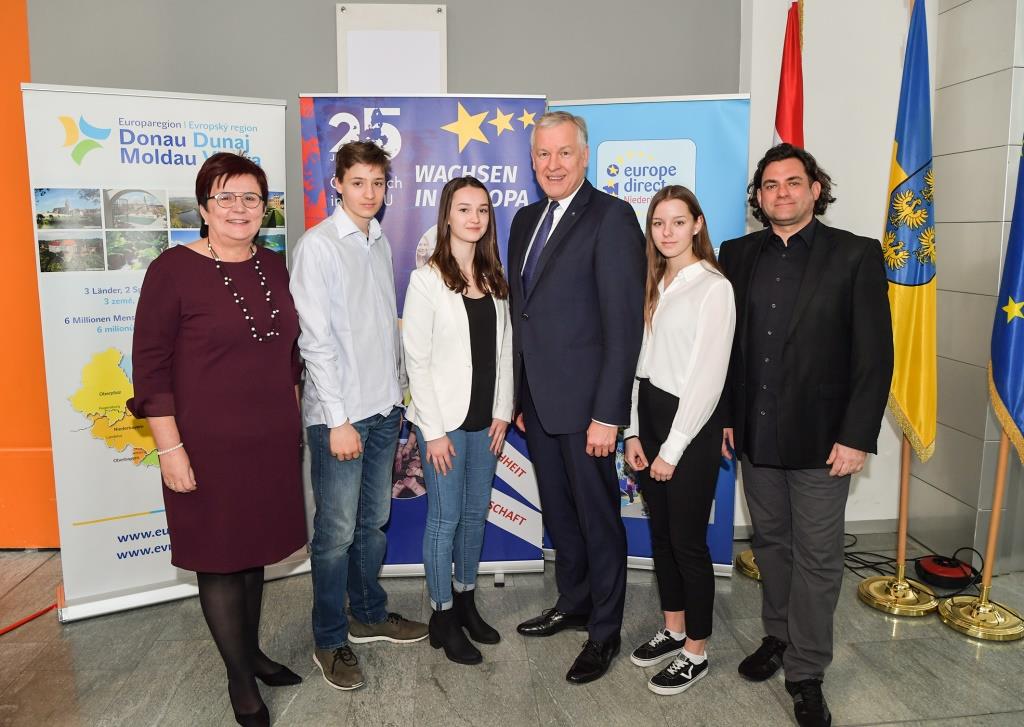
563	205
686	352
343	284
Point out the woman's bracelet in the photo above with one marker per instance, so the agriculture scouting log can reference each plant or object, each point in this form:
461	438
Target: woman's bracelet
179	445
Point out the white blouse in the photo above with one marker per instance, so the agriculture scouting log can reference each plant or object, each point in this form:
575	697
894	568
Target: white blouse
686	352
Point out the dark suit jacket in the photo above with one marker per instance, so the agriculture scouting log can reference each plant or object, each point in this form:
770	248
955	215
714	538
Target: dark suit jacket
838	358
577	334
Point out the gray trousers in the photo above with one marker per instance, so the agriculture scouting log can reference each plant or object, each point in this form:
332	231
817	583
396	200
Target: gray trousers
798	518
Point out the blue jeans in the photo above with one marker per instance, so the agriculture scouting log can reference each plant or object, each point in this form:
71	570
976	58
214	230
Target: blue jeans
353	503
457	505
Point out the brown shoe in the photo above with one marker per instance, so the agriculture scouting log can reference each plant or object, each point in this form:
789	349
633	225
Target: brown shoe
340	667
394	628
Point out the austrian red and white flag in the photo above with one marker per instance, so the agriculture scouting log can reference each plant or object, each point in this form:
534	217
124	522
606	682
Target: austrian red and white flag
789	112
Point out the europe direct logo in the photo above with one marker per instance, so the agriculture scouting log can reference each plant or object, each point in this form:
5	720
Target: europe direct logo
637	180
82	136
634	171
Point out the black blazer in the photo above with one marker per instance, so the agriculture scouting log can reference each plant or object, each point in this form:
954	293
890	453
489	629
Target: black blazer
838	357
577	334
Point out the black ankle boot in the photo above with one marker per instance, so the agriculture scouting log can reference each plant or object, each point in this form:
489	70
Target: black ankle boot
446	631
479	630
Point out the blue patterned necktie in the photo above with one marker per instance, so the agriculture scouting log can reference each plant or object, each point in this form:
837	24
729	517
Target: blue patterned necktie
538	245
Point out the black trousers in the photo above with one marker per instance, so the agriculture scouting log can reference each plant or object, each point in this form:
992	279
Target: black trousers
579	497
679	511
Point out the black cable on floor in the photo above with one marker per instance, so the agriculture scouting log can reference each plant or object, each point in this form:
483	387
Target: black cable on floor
859	561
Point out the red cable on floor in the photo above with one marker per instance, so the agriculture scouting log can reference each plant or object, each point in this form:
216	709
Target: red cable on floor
22	622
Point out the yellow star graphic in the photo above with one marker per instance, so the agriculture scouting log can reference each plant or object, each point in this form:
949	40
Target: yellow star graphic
1014	309
526	119
467	126
501	122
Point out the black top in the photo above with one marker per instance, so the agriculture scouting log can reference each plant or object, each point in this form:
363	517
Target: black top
773	292
483	323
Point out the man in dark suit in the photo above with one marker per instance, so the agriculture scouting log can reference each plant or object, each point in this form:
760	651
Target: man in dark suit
808	383
576	268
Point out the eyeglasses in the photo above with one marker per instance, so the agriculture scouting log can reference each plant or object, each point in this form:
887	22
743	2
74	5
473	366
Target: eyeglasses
227	199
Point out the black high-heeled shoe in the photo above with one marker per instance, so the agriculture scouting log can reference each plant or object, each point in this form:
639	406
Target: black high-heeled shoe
259	718
283	677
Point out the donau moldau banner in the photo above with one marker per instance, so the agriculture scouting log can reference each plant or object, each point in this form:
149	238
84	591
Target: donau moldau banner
113	179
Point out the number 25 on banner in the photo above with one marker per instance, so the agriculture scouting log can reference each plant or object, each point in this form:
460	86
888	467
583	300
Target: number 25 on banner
375	129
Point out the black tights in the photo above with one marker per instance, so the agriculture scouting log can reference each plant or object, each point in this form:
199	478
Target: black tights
231	604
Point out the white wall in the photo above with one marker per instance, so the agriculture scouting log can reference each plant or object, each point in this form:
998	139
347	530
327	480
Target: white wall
852	66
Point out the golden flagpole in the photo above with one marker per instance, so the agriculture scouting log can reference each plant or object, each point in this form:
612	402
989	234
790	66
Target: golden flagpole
977	616
898	594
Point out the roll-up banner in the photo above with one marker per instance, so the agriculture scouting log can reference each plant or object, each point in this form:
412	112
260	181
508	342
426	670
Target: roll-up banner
113	185
432	139
638	146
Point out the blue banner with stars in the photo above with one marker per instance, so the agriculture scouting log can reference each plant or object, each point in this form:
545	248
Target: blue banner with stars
1006	383
432	139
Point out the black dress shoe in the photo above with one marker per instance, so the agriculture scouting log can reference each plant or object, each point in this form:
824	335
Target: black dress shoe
593	661
259	718
283	677
765	661
809	705
552	621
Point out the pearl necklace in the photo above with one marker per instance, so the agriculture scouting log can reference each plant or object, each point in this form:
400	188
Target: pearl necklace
240	299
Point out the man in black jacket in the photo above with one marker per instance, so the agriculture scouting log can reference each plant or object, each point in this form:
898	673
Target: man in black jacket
808	382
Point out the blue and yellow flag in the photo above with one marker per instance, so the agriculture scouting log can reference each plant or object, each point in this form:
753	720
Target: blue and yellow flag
1006	369
908	247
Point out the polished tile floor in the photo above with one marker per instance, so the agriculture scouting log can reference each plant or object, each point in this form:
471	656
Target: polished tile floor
157	665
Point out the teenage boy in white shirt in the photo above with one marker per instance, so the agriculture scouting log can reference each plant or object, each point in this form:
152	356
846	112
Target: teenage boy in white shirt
344	289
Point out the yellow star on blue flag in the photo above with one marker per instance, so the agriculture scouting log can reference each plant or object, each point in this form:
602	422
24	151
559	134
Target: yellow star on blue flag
467	127
1013	309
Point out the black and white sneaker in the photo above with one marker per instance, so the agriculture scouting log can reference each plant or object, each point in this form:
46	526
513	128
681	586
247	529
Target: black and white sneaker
660	647
677	676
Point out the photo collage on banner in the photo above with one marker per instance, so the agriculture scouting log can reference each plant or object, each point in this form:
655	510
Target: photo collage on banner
433	139
636	148
113	179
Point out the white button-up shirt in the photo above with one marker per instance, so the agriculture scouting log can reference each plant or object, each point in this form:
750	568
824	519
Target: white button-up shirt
686	352
343	284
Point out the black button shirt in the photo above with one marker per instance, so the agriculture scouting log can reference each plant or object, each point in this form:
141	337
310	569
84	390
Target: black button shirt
773	293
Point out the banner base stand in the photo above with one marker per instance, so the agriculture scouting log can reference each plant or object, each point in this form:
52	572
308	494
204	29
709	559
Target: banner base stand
496	567
125	601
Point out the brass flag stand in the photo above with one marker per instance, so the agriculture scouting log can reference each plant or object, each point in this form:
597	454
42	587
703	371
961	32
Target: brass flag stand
977	616
897	594
746	565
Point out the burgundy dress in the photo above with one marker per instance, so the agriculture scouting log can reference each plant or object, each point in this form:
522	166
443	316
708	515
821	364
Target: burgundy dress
233	399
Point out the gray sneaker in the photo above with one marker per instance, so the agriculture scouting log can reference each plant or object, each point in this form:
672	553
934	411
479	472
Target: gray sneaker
394	628
340	667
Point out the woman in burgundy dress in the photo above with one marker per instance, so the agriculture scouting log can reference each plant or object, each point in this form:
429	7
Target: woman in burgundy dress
216	369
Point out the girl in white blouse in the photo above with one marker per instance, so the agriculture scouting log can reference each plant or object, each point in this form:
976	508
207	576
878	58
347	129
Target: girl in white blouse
673	441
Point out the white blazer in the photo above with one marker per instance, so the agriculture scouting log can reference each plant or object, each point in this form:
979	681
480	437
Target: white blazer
435	334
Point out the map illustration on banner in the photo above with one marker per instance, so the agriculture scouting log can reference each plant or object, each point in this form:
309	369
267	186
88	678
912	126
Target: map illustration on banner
431	141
